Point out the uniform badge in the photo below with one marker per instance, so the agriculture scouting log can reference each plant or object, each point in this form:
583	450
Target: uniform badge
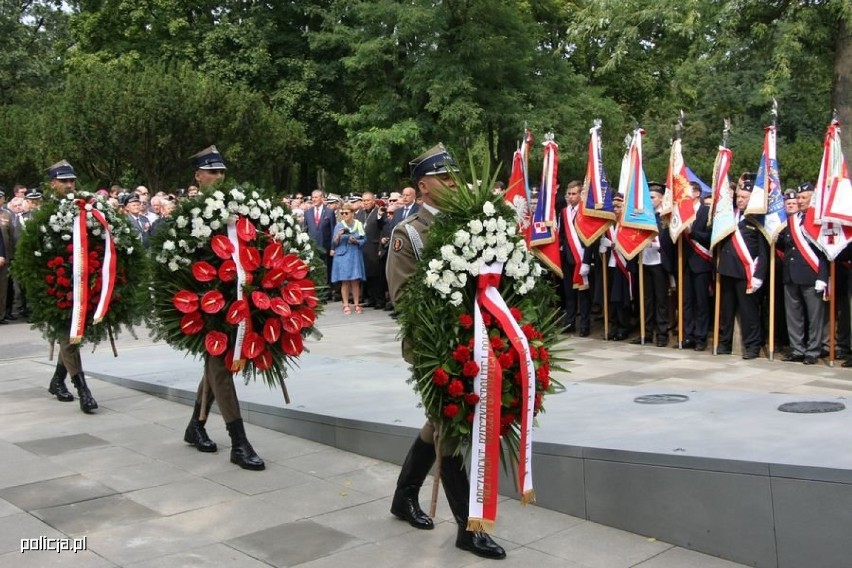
397	244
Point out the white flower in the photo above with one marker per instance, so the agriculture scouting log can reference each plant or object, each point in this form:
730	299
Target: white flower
181	222
255	212
475	226
174	266
461	238
215	224
37	252
264	219
168	245
456	298
66	237
436	265
488	208
129	250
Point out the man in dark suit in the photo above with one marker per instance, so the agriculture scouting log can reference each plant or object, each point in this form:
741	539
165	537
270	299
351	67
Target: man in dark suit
373	218
805	277
698	276
406	208
139	223
743	267
320	222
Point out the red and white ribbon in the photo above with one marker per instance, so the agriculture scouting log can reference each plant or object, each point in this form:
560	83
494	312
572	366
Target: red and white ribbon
485	443
749	264
79	273
804	246
239	361
108	268
576	249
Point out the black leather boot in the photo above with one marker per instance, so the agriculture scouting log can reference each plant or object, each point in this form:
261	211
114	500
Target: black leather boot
87	401
195	433
457	489
406	503
57	384
242	453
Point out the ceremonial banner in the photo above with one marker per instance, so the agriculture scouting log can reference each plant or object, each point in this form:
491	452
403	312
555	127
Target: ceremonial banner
677	184
595	213
542	235
828	218
766	204
518	193
638	225
723	199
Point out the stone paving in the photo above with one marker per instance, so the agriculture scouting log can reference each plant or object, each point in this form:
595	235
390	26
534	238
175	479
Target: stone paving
124	479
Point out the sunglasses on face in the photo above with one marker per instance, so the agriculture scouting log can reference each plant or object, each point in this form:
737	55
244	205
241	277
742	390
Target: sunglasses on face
345	212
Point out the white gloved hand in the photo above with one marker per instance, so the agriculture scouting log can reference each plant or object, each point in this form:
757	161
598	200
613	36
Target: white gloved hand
584	269
820	286
605	242
672	282
756	283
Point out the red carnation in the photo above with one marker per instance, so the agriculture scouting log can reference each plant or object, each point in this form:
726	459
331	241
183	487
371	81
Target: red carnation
250	258
261	300
191	323
528	330
292	344
451	410
50	278
440	377
542	372
212	302
280	307
470	369
544	382
471	398
204	271
456	388
70	247
466	321
216	343
486	318
507	418
516	313
533	352
497	343
538	400
222	246
469	417
185	301
462	354
228	271
246	231
506	359
543	354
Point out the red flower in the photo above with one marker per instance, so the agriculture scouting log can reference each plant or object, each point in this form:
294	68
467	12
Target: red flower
212	302
253	344
273	254
272	330
451	410
528	330
185	301
533	352
542	372
456	388
69	247
544	382
516	313
292	293
307	316
292	344
246	231
497	343
507	418
471	398
506	359
216	343
237	312
294	266
466	321
309	293
462	354
469	417
204	271
280	307
274	278
261	300
192	323
263	361
250	258
228	271
222	246
62	281
486	318
538	400
440	377
470	369
543	354
292	324
50	278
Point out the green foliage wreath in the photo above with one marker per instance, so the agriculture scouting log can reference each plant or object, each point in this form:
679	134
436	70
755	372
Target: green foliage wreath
436	313
44	264
197	303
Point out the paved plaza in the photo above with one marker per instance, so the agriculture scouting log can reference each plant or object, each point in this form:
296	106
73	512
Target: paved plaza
123	478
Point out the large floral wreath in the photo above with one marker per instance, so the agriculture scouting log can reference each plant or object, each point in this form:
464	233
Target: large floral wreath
83	269
480	299
234	276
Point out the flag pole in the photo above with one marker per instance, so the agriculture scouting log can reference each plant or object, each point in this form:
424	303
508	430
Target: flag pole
641	302
605	296
831	314
679	135
717	309
772	302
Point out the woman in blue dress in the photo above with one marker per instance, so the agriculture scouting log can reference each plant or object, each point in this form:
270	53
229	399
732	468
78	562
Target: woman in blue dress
347	265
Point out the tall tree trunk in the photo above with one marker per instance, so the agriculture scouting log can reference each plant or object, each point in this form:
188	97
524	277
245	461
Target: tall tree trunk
842	83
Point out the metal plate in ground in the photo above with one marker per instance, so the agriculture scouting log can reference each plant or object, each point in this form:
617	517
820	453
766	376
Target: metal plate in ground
661	399
812	407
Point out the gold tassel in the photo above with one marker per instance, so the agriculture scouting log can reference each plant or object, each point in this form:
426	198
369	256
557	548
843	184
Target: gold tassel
528	497
480	525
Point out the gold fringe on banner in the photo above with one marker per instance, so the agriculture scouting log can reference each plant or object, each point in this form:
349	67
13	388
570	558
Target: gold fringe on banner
528	497
480	525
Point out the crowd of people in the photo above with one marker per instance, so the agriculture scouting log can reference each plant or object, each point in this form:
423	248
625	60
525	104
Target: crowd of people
739	264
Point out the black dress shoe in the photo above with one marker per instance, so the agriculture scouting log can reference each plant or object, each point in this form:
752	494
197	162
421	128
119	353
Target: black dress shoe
662	342
700	346
479	543
584	333
638	340
809	361
616	337
723	350
847	363
3	322
687	344
793	358
751	355
10	317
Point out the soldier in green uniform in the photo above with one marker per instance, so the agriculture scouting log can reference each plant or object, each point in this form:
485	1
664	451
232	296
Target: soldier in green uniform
430	173
218	381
